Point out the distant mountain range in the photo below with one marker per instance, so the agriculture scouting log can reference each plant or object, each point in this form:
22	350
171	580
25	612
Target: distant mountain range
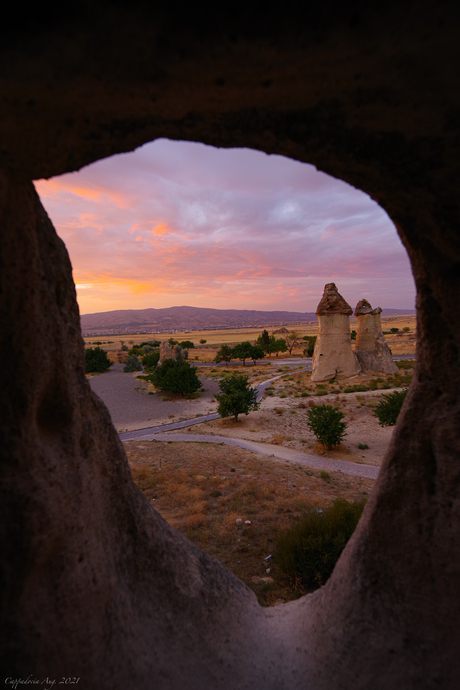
192	319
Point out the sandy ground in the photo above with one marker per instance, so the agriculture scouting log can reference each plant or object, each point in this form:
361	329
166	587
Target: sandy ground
284	422
281	419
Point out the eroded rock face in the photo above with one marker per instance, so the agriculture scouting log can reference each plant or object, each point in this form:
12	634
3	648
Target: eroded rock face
166	352
371	348
333	356
94	582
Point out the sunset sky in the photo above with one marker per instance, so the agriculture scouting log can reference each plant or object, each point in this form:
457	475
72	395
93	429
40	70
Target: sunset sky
180	223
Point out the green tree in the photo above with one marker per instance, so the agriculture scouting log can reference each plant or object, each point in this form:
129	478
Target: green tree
326	423
257	353
96	360
394	330
277	345
203	341
311	341
353	335
225	354
236	397
243	351
263	341
176	376
187	343
132	364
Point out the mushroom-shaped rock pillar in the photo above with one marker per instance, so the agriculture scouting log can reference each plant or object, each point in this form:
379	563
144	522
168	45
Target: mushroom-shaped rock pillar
333	356
371	348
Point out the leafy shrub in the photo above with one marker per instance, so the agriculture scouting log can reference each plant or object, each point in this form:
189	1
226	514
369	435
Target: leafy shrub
394	330
353	335
311	340
176	376
326	423
325	475
96	360
132	364
203	341
363	446
308	552
124	348
187	343
151	360
236	397
388	409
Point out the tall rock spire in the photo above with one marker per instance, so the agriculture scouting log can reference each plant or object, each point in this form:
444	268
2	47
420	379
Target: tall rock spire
333	356
371	348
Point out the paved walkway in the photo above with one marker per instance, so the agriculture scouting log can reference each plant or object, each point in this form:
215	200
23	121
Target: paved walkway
163	433
316	461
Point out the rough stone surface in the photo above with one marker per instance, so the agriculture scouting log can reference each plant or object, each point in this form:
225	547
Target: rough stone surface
94	582
371	348
332	302
333	356
166	352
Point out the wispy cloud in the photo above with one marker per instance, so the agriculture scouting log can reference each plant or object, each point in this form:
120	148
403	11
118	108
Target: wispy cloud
183	223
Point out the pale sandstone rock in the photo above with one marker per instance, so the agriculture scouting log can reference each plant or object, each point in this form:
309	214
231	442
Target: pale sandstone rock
166	352
371	348
333	356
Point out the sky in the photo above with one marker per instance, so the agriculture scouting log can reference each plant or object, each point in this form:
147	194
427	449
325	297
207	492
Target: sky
181	223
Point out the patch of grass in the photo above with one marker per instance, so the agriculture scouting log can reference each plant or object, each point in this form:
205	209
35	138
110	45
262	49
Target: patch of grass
259	491
325	475
357	388
363	446
405	364
320	393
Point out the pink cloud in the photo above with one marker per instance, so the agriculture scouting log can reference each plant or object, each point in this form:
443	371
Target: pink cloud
179	221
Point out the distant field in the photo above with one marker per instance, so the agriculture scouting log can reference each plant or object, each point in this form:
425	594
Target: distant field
399	344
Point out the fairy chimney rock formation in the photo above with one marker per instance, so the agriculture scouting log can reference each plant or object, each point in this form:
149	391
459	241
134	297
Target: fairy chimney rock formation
166	352
333	356
371	348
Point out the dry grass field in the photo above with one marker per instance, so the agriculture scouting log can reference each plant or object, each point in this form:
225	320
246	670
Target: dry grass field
203	489
400	343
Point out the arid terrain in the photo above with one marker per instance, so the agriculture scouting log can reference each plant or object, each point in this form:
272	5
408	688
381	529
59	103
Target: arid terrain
203	489
400	343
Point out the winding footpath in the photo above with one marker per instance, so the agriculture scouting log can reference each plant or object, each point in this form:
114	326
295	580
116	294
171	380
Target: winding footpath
163	433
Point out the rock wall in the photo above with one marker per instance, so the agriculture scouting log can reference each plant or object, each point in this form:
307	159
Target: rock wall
94	582
371	348
333	356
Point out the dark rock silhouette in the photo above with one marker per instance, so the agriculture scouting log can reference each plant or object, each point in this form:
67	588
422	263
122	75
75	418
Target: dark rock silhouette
94	582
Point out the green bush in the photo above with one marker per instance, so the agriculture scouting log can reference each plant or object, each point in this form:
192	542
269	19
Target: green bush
308	552
96	360
176	377
326	423
310	340
151	360
132	364
236	397
388	409
187	343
